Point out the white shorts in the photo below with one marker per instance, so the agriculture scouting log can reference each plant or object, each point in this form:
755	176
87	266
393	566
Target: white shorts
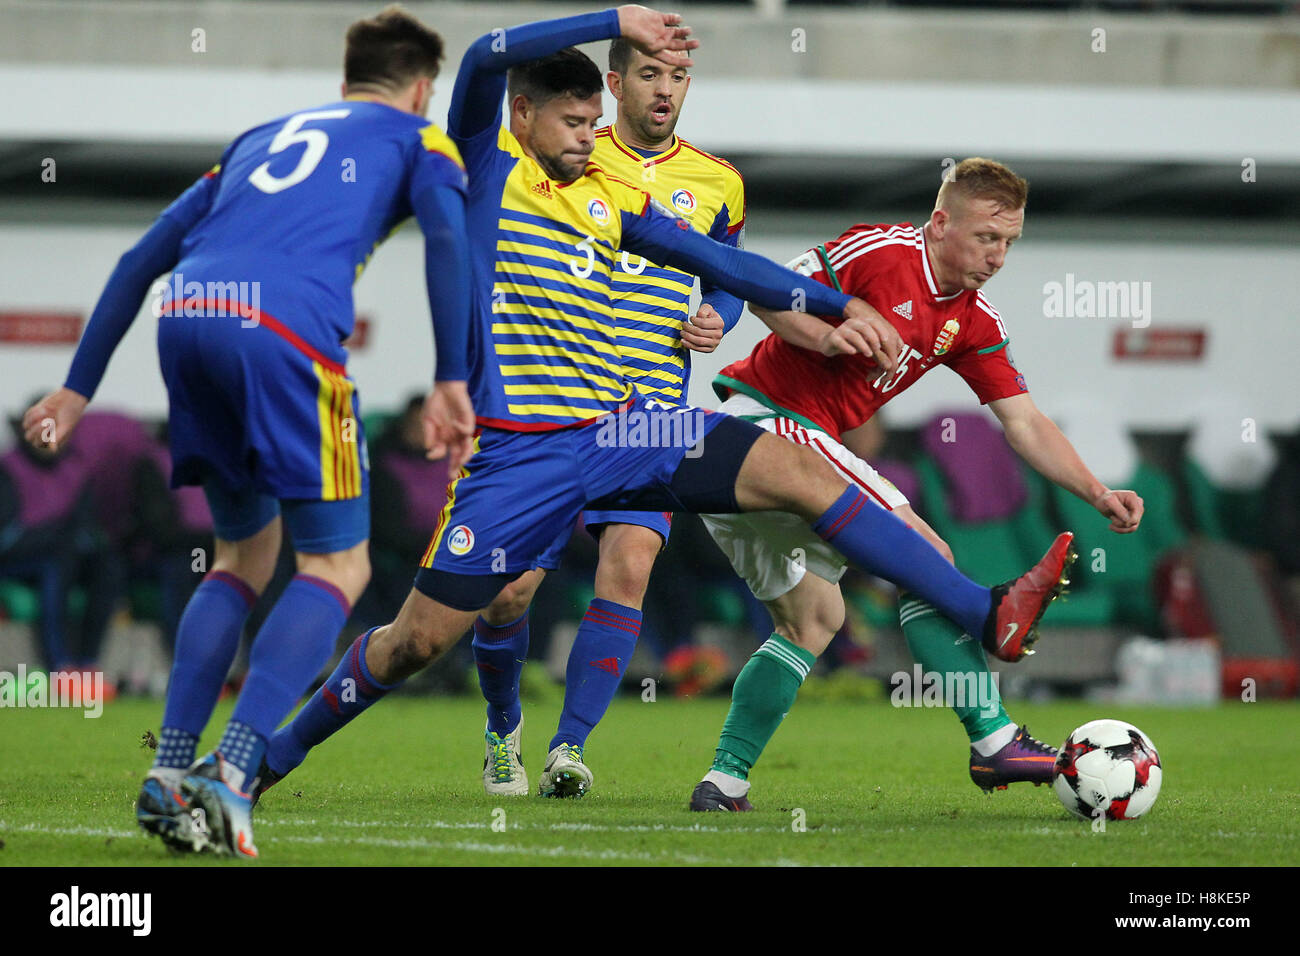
771	550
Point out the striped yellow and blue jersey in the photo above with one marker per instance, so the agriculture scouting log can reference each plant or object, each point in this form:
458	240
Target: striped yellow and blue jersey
544	339
545	352
652	301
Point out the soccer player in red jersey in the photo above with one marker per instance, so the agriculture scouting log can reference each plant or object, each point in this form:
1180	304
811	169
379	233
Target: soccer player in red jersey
807	384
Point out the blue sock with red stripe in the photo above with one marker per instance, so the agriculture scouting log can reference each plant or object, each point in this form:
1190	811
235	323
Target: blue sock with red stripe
604	645
206	642
879	542
499	655
345	694
292	647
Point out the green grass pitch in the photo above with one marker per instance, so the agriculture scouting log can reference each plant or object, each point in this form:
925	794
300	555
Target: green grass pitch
842	783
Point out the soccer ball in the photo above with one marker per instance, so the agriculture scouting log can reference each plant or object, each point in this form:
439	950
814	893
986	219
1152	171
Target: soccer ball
1107	766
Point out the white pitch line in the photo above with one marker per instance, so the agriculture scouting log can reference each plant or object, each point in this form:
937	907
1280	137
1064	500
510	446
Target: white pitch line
575	827
423	844
66	831
479	847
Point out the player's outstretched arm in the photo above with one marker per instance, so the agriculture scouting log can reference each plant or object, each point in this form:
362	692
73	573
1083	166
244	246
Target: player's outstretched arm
1038	440
481	79
670	241
157	252
860	335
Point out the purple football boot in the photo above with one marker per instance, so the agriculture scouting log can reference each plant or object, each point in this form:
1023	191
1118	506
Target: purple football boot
1024	760
707	796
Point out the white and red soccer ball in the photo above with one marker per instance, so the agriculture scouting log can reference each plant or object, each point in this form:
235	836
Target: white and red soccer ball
1110	767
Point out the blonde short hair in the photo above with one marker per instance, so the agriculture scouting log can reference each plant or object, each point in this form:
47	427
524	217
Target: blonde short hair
980	178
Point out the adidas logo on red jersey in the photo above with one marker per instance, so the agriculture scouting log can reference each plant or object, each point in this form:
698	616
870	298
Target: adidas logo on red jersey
905	310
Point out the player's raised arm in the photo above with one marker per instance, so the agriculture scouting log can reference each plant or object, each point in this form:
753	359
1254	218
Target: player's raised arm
660	35
481	79
662	238
157	252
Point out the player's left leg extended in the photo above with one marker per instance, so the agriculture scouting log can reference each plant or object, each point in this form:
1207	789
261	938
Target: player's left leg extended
377	662
604	643
777	475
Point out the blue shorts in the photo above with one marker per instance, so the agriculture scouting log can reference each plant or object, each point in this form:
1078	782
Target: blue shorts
259	420
522	490
659	522
254	410
315	527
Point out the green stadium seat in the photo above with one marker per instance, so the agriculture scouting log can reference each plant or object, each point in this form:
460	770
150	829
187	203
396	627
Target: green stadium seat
1224	514
994	551
989	551
21	603
1124	565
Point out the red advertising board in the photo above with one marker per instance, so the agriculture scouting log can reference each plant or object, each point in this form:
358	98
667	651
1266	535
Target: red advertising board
36	327
1160	345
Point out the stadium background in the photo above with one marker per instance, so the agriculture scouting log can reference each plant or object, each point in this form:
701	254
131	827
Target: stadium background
1162	144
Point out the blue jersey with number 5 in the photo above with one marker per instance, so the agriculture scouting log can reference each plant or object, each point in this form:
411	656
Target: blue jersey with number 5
299	204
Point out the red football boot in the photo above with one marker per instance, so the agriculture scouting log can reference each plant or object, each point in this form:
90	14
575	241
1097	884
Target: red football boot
1012	627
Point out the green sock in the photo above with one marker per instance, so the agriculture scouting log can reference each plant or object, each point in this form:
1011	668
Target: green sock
940	647
763	695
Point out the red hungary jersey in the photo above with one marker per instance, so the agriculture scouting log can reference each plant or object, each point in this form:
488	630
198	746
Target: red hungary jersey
886	266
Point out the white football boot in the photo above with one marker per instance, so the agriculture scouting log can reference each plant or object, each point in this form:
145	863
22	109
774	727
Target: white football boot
503	768
565	775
